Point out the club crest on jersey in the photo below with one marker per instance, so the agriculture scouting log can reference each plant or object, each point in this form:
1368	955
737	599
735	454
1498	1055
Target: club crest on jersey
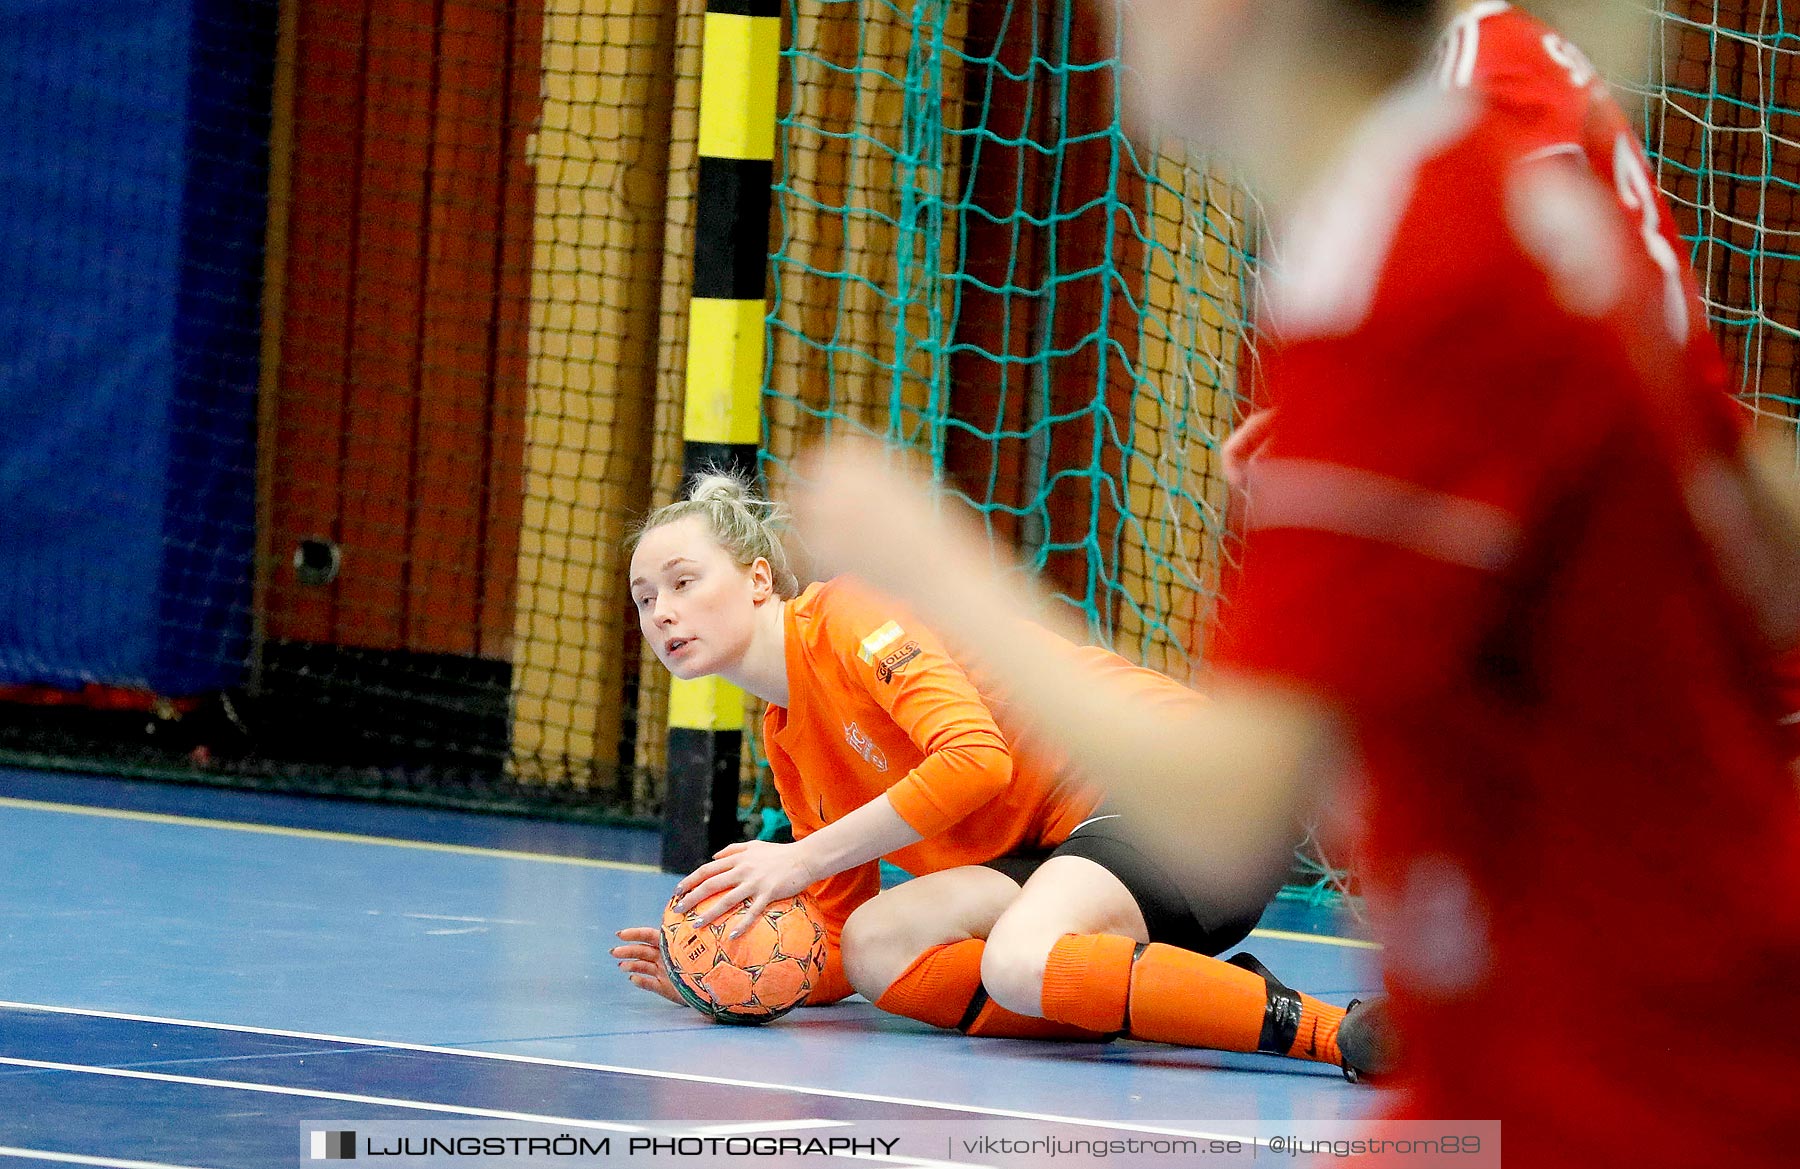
863	745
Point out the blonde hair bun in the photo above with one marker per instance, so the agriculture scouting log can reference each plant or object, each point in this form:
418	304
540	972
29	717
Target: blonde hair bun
714	486
746	525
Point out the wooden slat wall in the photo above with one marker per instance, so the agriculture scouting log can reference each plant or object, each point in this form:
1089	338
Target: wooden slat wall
481	377
444	587
396	421
1148	519
1096	318
386	323
507	406
309	419
990	397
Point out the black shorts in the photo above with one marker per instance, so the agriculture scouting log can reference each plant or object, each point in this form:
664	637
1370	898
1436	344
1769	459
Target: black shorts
1175	913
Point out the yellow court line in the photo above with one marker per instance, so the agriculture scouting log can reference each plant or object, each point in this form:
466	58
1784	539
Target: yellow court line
320	834
1321	939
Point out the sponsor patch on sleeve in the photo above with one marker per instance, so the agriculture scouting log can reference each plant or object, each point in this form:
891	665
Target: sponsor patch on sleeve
877	643
888	649
895	660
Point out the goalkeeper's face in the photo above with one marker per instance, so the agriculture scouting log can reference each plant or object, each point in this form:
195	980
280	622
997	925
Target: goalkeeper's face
696	605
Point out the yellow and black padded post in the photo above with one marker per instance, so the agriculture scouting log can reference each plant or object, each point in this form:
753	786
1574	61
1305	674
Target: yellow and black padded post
723	424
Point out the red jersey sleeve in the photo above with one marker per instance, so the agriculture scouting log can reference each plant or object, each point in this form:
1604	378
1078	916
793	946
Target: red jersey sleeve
902	666
1556	101
1408	460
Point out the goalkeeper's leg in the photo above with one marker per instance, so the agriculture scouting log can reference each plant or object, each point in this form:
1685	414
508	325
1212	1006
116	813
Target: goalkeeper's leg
916	950
1102	938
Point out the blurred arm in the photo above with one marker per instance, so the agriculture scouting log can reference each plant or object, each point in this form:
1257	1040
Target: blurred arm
1221	787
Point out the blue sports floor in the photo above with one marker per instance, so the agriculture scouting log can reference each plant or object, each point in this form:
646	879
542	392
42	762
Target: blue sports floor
199	979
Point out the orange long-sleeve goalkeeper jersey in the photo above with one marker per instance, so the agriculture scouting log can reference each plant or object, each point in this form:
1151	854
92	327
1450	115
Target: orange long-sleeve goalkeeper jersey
875	705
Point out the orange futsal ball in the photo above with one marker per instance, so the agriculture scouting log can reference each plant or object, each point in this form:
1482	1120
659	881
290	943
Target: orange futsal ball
752	979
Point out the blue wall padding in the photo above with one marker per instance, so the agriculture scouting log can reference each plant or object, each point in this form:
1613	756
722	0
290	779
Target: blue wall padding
132	208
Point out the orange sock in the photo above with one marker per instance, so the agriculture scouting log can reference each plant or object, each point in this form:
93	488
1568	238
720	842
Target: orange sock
1087	981
994	1020
1316	1036
943	987
937	987
1169	995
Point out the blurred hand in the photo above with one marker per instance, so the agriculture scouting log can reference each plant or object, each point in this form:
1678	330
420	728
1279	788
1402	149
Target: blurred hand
640	957
753	871
863	511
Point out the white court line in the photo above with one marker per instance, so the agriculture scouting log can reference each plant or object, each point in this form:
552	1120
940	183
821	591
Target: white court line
451	917
78	1159
739	1130
648	1073
1316	939
319	1094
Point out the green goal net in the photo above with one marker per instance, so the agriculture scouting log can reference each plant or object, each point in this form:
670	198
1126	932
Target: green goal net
1723	126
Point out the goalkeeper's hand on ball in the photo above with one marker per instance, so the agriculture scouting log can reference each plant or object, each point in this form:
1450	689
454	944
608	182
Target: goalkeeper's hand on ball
640	957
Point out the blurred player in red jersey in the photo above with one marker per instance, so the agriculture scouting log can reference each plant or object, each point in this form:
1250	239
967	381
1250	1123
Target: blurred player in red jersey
1524	70
1502	560
1521	69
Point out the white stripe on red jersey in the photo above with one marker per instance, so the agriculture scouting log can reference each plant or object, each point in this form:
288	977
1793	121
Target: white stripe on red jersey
1307	494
